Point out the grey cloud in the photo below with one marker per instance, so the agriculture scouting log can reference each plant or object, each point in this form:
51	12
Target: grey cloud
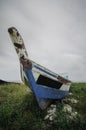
54	33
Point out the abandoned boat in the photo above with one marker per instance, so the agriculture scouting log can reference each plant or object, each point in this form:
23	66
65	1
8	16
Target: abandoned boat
45	84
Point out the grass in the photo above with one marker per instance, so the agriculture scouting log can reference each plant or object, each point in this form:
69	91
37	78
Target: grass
79	92
17	109
20	111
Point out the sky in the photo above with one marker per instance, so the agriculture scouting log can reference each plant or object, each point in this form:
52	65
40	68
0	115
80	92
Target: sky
54	33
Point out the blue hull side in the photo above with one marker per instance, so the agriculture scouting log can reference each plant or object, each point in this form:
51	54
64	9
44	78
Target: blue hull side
41	92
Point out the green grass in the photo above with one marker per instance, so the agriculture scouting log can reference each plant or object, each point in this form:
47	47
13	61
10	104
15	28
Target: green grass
20	111
79	92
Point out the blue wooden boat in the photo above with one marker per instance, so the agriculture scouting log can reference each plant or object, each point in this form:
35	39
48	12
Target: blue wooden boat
45	84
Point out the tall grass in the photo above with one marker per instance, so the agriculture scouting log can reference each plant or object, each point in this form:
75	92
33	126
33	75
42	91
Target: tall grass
20	111
79	92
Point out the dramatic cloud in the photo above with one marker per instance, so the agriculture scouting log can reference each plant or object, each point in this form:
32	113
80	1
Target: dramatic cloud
54	32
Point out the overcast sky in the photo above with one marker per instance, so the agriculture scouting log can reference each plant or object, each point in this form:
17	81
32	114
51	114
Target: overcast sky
54	32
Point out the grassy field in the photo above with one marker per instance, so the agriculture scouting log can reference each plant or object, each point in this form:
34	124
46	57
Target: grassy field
20	111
